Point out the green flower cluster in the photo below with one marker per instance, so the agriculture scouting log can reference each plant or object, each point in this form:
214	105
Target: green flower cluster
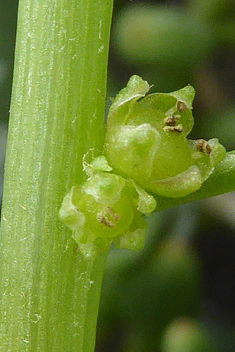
146	152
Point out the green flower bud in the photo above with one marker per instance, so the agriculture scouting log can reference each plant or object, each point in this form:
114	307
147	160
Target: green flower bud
186	335
106	208
146	141
151	34
206	155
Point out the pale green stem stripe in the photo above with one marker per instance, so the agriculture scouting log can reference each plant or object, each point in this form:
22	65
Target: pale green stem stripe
49	294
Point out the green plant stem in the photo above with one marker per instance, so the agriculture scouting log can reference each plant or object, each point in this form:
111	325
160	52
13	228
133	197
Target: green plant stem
221	181
49	294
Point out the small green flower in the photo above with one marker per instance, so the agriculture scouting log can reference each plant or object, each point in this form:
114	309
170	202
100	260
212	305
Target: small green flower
146	152
106	208
147	141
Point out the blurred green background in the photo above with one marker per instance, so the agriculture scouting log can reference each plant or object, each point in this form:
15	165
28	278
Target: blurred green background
178	293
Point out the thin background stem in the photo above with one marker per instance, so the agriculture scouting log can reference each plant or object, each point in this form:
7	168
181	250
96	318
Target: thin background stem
49	294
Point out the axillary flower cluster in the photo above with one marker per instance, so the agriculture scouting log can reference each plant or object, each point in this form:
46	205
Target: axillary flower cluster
146	153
